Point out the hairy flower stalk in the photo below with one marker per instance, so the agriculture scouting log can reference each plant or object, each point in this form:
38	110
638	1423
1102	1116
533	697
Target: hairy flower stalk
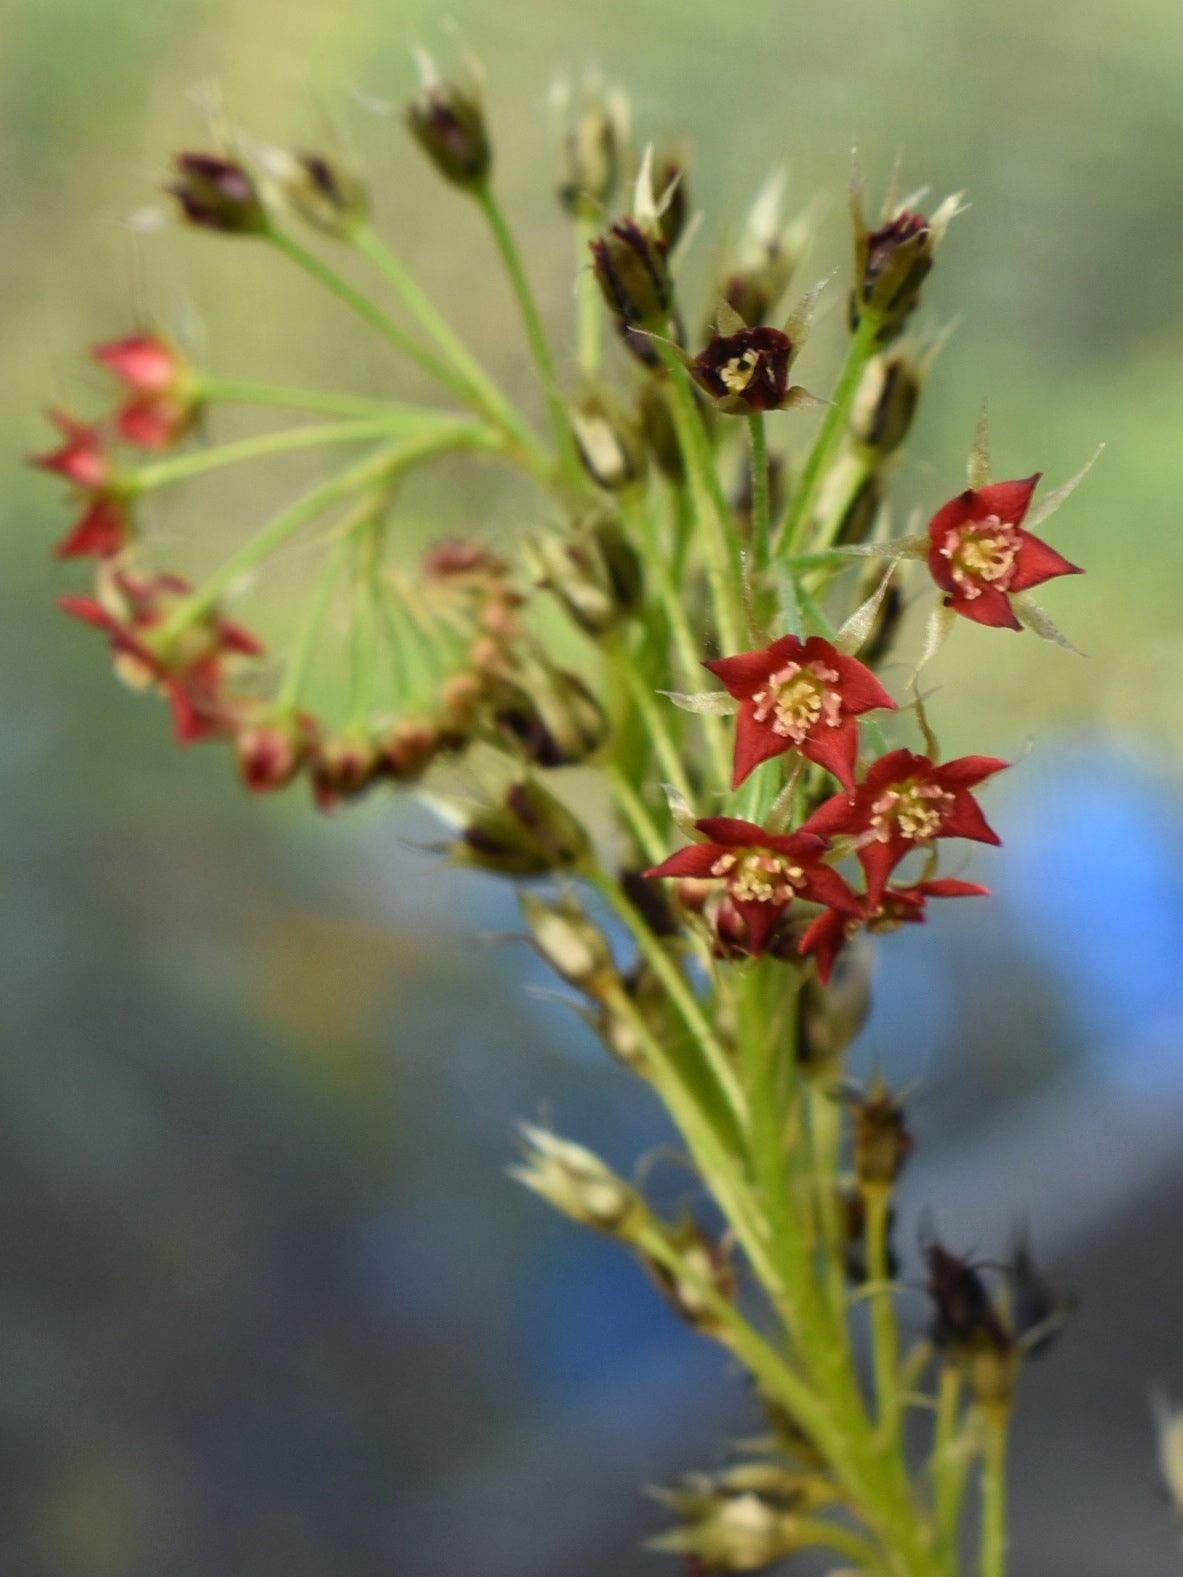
761	828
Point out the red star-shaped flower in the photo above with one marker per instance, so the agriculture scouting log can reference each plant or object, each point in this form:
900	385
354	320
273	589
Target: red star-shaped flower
798	695
906	801
189	672
980	555
762	872
162	397
826	936
102	528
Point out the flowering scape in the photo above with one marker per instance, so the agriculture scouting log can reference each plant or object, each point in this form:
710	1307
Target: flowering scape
757	828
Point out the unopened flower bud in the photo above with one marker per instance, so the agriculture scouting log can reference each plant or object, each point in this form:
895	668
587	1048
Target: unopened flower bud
657	424
892	262
594	573
343	765
217	194
326	193
552	714
630	266
968	1328
592	150
704	1269
270	752
448	123
567	940
881	1142
673	198
767	255
575	1181
407	748
885	403
527	833
745	1518
609	444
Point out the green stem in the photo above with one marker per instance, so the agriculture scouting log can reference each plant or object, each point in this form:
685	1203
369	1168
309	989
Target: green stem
814	1530
297	672
587	294
884	1340
793	534
645	701
236	391
724	569
361	304
360	430
994	1492
636	813
825	1132
484	392
386	462
677	988
539	348
948	1462
761	525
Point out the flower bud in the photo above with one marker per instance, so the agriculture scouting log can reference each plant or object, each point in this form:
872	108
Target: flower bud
594	573
577	1182
704	1264
1038	1308
592	151
885	403
326	194
343	765
552	714
566	939
448	123
407	748
892	262
968	1328
271	751
767	256
828	1018
218	194
657	424
881	1142
673	204
526	833
630	267
745	1518
609	444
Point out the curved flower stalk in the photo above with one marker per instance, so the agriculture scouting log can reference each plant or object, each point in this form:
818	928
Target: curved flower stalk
758	830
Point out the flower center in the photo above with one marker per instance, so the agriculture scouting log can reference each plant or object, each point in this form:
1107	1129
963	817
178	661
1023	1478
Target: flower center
982	550
739	371
759	876
915	809
797	699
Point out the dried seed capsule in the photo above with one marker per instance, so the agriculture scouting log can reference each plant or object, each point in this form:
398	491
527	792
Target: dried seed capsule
575	1181
448	123
217	194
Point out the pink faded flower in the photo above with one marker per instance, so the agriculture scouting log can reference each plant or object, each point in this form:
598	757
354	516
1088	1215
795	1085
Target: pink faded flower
103	528
762	872
798	695
826	936
979	554
162	400
905	802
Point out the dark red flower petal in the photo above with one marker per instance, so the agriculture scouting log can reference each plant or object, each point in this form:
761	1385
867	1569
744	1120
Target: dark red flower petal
990	606
1035	562
695	859
1008	500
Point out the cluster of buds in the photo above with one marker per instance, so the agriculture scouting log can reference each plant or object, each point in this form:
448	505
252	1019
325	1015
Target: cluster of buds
746	1517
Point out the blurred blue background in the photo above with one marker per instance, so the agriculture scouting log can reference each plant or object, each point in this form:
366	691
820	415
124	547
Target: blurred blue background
268	1303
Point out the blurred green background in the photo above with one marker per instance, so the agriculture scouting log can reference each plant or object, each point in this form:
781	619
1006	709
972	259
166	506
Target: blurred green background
267	1304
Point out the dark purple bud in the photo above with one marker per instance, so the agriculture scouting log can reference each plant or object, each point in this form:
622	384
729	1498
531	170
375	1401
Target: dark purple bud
449	125
217	194
631	269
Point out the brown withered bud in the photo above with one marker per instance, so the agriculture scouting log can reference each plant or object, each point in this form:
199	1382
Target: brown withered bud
853	1207
448	123
630	267
216	193
885	404
270	751
892	261
1038	1308
527	832
327	194
609	443
881	1142
746	371
343	765
968	1329
657	424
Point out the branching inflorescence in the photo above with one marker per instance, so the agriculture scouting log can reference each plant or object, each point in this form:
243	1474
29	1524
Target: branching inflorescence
758	825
